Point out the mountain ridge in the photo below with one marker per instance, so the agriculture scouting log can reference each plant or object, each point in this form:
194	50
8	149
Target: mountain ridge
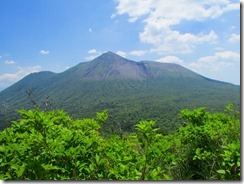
131	90
119	67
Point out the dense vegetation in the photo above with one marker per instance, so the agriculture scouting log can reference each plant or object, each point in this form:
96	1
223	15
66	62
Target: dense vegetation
128	101
131	91
53	146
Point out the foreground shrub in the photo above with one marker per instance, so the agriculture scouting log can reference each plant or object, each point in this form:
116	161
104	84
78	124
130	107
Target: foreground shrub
53	146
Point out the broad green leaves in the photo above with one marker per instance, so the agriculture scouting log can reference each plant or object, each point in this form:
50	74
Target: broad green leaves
210	144
53	146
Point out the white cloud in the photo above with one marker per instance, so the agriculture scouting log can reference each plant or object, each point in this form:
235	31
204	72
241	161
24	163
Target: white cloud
121	53
138	52
90	30
132	53
223	66
234	38
9	62
220	61
232	28
175	10
133	8
219	49
160	16
112	16
89	58
228	55
44	52
93	53
170	59
9	78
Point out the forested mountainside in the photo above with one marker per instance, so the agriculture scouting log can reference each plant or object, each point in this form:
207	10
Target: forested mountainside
131	91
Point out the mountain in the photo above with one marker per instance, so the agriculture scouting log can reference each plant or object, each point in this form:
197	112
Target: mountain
113	66
131	91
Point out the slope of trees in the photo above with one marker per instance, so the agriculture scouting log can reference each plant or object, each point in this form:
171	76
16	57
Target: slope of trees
127	101
53	146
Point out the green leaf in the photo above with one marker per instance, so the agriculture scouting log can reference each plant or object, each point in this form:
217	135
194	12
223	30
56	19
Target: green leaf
15	166
20	171
167	177
221	171
97	158
238	164
91	167
50	167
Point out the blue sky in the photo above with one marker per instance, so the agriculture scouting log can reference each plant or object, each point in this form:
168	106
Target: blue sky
53	35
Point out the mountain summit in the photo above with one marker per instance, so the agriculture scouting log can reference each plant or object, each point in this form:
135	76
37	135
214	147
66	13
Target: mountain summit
130	90
112	66
110	56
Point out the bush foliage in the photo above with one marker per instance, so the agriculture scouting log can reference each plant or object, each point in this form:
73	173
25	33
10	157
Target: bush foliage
53	146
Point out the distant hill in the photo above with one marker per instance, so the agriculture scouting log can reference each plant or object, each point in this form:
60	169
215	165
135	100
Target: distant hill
131	91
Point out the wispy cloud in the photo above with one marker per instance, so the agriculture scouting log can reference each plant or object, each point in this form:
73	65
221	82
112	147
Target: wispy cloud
218	62
9	78
223	66
10	62
93	53
89	58
170	59
44	52
220	65
132	53
159	18
138	52
112	16
121	53
90	30
234	38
